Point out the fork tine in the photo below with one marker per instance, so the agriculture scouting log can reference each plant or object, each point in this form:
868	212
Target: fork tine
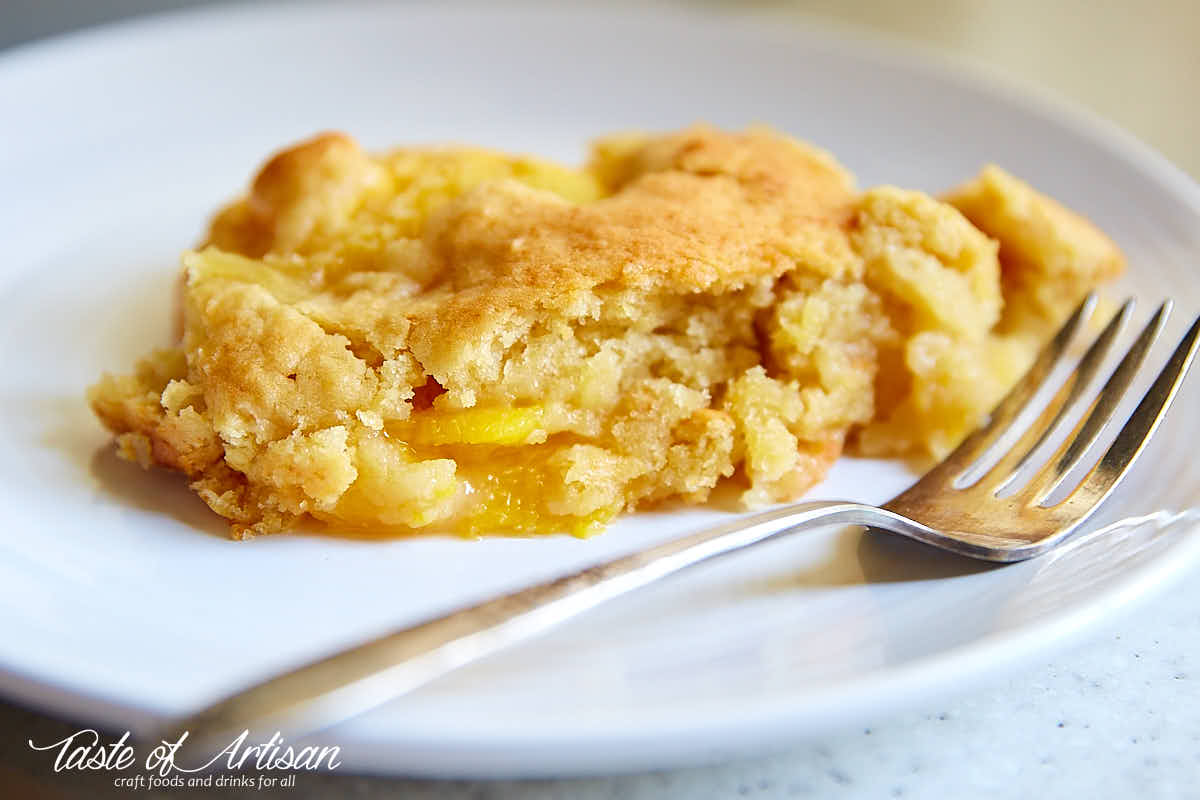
957	465
1132	438
1071	452
1070	395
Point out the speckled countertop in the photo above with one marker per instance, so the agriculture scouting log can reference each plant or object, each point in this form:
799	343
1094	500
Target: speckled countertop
1115	715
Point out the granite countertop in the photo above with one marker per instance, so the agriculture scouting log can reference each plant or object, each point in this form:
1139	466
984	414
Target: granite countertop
1117	714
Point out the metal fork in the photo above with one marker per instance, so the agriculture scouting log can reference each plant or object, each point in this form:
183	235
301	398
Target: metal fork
962	505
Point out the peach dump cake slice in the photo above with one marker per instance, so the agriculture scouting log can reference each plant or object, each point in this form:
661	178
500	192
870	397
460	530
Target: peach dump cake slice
460	340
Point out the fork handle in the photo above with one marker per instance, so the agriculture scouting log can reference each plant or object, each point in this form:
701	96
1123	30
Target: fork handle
354	681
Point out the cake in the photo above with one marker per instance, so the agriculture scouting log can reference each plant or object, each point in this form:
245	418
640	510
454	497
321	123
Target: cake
450	339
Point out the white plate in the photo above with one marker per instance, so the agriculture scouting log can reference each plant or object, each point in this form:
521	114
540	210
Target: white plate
120	600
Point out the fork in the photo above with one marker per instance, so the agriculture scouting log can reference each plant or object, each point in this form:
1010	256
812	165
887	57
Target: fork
970	504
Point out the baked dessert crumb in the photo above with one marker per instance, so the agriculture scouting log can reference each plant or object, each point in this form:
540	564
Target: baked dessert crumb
454	339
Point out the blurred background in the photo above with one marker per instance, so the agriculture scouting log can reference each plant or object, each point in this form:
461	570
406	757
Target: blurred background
1136	62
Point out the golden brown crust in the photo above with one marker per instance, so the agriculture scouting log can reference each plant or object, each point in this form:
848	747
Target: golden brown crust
292	193
700	211
1050	256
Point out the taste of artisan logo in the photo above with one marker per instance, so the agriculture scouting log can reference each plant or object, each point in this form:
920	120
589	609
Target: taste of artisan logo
166	765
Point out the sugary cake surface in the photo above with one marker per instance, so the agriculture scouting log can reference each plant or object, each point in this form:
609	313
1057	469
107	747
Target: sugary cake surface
459	340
